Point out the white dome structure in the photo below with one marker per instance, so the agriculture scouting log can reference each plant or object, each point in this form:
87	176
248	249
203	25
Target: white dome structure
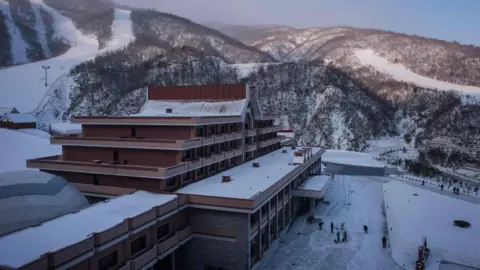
30	197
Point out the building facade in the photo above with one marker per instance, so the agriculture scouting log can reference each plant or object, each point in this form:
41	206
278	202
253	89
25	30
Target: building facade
209	146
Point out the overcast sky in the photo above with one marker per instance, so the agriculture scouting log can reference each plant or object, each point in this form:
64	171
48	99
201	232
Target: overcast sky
444	19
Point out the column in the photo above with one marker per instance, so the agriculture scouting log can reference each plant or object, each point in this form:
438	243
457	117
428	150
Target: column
248	241
172	257
312	206
269	223
260	250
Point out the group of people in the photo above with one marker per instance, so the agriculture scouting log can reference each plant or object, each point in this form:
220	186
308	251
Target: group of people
345	235
456	190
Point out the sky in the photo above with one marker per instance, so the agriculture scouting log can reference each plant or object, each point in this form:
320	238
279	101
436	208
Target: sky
450	20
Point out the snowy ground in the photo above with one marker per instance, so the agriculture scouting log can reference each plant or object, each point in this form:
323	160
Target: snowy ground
246	68
358	200
411	218
355	200
24	87
17	146
399	72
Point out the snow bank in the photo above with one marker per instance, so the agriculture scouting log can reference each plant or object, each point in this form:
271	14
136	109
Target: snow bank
399	72
413	217
17	147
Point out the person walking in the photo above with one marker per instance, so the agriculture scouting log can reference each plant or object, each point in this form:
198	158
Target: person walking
331	227
344	236
365	229
320	224
338	236
384	241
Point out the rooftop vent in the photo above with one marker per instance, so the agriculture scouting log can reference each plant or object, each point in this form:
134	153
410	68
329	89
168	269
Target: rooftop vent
293	147
226	178
256	164
169	110
284	151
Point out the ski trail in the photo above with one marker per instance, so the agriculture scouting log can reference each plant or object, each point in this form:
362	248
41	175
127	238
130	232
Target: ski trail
18	45
41	32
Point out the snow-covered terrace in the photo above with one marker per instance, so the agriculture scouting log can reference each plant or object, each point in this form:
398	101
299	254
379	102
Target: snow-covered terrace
192	108
313	187
66	128
28	245
247	182
351	158
411	217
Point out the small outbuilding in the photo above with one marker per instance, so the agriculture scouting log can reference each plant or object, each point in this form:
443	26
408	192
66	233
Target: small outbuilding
18	121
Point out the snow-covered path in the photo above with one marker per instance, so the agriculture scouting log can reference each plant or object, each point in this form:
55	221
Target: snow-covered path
355	200
24	87
399	72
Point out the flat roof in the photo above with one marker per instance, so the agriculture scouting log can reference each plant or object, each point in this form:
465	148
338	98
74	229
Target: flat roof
189	108
316	183
351	158
66	127
25	246
247	181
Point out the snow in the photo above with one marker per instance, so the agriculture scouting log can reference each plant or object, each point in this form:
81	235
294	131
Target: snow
354	200
316	183
29	94
35	132
4	110
66	127
27	245
245	69
350	158
19	46
247	182
189	109
411	218
20	118
41	31
17	147
398	72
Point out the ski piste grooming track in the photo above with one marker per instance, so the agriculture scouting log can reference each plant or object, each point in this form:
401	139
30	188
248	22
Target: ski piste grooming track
31	95
341	200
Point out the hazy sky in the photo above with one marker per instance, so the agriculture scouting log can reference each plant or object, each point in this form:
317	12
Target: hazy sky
445	19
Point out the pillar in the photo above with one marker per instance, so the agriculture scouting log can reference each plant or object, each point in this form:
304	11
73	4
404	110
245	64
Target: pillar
269	224
172	257
259	234
312	206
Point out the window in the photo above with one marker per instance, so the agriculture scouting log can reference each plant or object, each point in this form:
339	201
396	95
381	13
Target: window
108	261
133	132
199	132
115	156
139	244
170	182
95	180
162	231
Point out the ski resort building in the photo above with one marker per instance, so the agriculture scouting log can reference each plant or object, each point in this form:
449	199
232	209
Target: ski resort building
18	121
197	179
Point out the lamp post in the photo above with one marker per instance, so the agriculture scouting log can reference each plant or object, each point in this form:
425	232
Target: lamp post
46	67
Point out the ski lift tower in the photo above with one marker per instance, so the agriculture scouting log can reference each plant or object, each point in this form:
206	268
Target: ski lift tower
46	67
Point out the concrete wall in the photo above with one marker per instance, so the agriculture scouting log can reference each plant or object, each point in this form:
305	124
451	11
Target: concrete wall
353	170
230	254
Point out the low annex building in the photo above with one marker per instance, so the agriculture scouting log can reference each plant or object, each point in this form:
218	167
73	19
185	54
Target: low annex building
197	179
18	121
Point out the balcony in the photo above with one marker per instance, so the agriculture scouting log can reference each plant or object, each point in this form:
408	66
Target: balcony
266	130
144	259
269	142
127	142
250	132
250	147
55	163
198	163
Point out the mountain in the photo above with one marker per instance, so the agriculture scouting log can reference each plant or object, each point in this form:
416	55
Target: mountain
28	32
436	59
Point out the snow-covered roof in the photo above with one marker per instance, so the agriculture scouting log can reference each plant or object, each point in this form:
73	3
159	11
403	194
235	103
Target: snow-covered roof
66	127
21	118
193	108
316	183
27	245
5	110
288	134
351	158
247	181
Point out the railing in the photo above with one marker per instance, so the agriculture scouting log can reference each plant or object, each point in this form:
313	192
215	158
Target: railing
198	163
250	132
127	142
269	142
107	168
266	130
250	147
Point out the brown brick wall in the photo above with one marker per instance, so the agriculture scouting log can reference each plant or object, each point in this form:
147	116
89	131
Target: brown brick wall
145	157
149	132
203	92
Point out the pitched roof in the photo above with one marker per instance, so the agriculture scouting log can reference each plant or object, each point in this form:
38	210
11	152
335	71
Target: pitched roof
5	110
21	117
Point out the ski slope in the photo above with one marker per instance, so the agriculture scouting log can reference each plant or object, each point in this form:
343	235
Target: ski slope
400	73
19	46
24	87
